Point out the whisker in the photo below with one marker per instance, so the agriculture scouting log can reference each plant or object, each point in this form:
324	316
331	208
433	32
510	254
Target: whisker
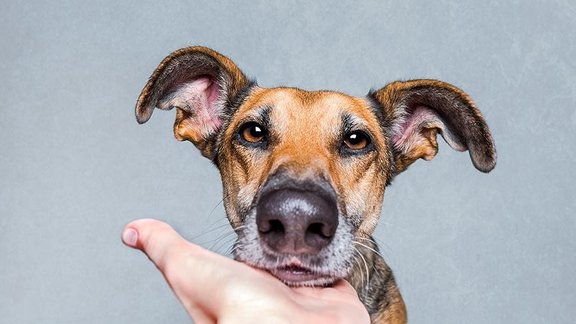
211	227
217	245
383	248
367	239
366	268
357	263
369	248
210	230
230	250
367	274
237	228
235	247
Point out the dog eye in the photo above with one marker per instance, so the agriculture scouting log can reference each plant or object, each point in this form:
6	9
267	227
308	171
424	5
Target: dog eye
356	140
253	132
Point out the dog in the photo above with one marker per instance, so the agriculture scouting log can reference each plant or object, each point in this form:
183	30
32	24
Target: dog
304	172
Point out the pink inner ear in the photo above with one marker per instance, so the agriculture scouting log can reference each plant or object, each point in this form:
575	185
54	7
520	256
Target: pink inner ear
408	134
409	128
200	98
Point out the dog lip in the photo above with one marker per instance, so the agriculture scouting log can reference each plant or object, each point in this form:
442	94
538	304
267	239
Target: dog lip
294	269
294	273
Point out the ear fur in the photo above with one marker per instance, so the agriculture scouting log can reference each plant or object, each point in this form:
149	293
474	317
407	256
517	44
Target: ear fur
202	84
419	109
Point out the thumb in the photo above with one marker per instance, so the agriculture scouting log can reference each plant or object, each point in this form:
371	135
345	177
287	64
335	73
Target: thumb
170	253
158	240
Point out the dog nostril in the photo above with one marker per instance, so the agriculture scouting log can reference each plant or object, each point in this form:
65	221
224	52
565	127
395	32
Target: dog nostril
275	226
271	226
319	229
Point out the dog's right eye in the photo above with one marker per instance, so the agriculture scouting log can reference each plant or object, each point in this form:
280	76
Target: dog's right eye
253	132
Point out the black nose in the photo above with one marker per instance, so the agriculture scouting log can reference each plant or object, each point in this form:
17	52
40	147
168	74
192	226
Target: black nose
296	221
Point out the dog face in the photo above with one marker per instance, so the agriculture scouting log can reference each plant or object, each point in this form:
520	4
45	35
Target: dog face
304	172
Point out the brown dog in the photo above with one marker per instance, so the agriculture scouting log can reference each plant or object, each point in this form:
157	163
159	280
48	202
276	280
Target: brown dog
304	172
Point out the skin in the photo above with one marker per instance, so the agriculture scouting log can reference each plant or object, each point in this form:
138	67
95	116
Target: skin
215	289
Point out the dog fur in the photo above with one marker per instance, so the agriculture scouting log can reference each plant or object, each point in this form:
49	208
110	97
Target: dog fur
346	147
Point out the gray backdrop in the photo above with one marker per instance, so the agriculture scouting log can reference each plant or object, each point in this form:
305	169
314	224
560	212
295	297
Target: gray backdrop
466	247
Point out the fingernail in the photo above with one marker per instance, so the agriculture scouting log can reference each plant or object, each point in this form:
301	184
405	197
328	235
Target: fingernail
130	237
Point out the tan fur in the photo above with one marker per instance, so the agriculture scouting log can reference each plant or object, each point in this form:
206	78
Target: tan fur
308	137
304	140
395	314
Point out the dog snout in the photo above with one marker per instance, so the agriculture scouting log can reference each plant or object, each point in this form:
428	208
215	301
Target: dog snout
295	221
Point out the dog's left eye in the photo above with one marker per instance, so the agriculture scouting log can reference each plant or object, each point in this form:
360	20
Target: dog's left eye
253	132
356	140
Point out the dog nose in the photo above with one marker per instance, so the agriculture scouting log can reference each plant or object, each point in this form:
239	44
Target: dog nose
296	222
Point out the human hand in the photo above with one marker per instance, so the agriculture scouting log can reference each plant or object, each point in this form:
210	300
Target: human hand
216	289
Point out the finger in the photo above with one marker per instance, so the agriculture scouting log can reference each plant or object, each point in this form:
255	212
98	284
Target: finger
171	254
341	290
340	300
189	269
158	240
345	287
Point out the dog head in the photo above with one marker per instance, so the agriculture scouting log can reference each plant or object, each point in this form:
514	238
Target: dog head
304	173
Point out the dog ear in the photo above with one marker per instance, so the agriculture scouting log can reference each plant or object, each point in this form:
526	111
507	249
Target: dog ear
417	110
201	84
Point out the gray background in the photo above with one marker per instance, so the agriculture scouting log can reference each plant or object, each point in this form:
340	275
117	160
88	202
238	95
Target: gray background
466	247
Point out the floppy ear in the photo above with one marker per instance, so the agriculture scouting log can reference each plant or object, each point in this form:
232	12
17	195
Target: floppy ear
417	110
202	84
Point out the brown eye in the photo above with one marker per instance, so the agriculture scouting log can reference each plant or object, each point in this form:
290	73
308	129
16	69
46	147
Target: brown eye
253	132
356	140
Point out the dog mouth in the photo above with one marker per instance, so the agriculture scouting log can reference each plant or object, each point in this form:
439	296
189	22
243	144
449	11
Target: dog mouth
296	273
297	268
